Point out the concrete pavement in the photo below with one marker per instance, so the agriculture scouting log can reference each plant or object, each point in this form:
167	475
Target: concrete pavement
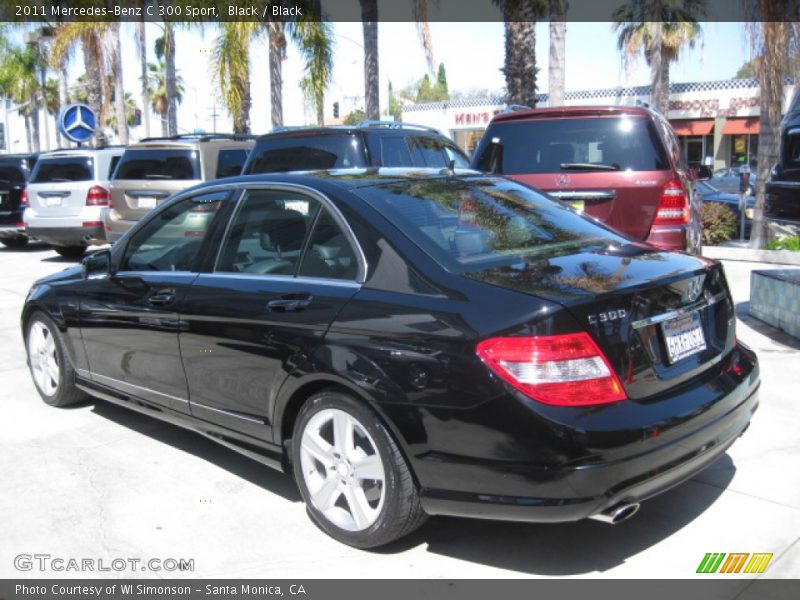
98	481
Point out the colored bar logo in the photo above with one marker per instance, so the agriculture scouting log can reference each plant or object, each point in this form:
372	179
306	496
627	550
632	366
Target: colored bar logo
719	562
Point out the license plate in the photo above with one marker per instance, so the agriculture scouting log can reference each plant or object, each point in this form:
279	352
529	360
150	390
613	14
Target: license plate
683	337
54	201
749	213
578	205
147	203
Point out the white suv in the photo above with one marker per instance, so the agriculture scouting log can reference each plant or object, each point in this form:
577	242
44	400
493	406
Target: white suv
67	198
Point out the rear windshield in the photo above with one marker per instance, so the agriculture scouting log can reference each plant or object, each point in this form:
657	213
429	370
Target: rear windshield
572	145
479	223
305	153
60	170
11	175
159	164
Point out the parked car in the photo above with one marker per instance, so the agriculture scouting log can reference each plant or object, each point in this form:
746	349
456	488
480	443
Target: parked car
68	198
727	180
782	202
618	164
344	326
369	144
711	194
15	169
155	168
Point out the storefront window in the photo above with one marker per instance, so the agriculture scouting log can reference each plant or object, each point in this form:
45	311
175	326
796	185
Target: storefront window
467	139
744	150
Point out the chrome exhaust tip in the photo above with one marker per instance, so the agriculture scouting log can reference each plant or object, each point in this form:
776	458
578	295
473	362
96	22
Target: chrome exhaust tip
617	514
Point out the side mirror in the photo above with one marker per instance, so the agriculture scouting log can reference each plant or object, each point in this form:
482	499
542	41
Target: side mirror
97	265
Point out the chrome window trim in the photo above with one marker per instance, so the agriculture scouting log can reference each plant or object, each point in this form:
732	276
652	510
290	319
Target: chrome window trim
228	413
679	312
348	283
122	384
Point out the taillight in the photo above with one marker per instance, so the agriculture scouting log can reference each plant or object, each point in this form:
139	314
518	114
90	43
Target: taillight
97	196
673	208
563	370
23	199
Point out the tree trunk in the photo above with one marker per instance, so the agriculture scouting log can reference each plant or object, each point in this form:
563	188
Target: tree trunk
520	54
771	82
28	137
92	57
556	66
142	35
119	89
35	141
172	94
277	48
63	100
164	126
369	18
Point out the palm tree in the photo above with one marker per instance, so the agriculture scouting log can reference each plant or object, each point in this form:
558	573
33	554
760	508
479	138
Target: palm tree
130	112
159	95
141	46
119	88
231	62
20	84
659	29
556	66
519	66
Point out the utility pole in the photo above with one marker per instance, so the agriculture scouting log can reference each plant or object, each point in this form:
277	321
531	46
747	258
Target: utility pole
214	114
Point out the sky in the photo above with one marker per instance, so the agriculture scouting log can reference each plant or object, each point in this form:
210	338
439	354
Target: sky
471	52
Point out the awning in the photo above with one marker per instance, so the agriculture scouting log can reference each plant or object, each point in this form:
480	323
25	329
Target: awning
693	126
740	126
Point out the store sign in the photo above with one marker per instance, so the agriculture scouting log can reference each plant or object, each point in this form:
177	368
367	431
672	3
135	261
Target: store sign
717	107
479	118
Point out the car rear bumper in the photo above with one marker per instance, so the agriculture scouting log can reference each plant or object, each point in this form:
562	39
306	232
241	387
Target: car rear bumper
115	227
11	231
629	473
83	229
668	237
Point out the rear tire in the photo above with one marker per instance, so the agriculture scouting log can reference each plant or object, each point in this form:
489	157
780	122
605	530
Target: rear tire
52	372
343	454
15	242
70	251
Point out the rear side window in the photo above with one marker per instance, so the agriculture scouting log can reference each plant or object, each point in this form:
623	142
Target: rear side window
562	145
305	153
113	165
791	150
471	225
394	152
60	170
435	153
159	164
11	175
230	162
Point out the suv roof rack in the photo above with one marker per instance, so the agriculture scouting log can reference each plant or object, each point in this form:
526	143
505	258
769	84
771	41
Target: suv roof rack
515	108
202	137
394	125
83	148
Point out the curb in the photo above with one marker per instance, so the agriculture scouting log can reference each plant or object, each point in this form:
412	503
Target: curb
774	257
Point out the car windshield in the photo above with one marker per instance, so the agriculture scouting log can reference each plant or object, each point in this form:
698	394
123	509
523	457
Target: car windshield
473	224
579	144
306	152
154	163
60	170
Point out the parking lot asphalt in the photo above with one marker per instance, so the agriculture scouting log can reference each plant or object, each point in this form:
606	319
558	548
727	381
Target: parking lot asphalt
100	482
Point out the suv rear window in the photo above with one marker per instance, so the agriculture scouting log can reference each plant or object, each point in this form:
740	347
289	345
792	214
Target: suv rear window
11	175
475	224
310	152
580	144
158	164
60	170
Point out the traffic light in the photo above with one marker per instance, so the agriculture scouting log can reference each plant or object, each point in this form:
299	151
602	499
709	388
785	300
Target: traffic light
137	117
2	136
335	110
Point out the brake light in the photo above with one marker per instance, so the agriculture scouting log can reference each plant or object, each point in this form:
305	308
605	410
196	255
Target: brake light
673	208
97	196
562	370
23	199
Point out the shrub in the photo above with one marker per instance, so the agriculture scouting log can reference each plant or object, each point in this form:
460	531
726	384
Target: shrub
789	243
719	223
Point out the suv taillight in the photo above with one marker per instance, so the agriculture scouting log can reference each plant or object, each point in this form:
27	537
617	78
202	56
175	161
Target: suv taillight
23	199
673	208
562	370
97	196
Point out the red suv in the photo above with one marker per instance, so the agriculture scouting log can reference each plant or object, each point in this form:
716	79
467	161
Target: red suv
618	164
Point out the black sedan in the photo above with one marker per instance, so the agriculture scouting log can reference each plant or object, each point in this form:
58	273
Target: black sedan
712	194
407	343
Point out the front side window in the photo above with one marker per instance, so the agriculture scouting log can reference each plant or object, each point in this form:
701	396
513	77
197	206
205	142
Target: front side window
172	239
62	170
267	234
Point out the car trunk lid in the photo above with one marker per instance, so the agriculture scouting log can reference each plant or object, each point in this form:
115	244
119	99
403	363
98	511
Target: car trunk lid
59	184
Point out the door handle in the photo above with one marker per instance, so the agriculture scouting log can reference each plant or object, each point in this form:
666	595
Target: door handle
290	303
162	298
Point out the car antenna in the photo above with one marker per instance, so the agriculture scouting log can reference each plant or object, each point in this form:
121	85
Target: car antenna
449	171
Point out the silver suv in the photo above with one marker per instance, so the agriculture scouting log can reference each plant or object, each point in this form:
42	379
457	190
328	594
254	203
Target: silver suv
155	168
68	196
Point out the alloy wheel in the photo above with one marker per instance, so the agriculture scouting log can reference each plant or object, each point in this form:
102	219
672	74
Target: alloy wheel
43	358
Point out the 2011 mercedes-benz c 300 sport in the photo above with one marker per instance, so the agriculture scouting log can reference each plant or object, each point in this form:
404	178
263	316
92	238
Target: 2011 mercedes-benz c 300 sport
407	343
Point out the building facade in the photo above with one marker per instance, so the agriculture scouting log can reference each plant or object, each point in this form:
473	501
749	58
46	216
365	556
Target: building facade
716	121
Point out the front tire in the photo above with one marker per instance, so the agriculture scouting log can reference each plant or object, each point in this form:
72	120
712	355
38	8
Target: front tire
354	480
71	251
50	367
15	242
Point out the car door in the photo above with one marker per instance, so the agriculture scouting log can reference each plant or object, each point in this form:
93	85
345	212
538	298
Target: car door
130	320
287	266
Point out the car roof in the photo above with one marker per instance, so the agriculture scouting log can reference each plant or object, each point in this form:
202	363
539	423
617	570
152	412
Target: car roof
191	140
81	152
556	112
17	157
371	126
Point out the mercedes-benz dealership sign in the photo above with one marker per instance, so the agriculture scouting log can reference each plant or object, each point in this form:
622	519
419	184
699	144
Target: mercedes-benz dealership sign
77	123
